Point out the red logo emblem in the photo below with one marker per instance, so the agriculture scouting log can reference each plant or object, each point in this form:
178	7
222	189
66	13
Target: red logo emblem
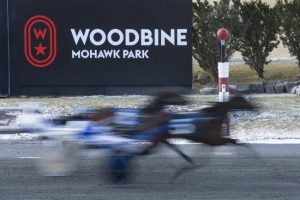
40	41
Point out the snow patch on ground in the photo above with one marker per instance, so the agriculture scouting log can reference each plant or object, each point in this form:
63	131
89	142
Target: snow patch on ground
276	121
20	136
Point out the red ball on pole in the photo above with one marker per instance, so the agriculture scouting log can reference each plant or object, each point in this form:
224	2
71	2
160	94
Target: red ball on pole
223	67
223	34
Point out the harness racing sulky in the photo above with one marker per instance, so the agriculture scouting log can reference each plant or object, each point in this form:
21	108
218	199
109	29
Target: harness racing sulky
125	134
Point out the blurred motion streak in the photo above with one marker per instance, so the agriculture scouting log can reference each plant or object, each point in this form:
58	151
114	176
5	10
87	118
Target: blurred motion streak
128	133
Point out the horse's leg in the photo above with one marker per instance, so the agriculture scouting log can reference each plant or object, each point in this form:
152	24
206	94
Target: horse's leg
148	150
177	150
248	147
186	158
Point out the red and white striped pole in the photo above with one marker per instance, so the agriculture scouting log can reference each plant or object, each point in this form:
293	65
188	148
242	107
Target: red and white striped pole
223	67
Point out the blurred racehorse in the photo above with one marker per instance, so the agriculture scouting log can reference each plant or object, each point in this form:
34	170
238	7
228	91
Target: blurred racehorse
147	128
158	126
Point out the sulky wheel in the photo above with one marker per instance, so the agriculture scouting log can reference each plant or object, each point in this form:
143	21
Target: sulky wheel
58	158
225	130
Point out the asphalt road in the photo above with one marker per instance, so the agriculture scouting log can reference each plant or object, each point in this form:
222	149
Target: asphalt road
266	172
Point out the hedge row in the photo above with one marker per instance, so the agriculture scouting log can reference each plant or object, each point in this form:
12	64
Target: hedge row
255	29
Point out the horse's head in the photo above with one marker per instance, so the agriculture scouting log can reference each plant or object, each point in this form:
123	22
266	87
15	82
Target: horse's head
169	98
104	114
162	99
240	103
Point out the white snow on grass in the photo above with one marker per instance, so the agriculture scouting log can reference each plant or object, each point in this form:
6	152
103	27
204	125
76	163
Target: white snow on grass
19	136
276	121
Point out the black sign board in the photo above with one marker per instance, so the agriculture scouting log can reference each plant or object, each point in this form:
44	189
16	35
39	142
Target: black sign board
56	45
